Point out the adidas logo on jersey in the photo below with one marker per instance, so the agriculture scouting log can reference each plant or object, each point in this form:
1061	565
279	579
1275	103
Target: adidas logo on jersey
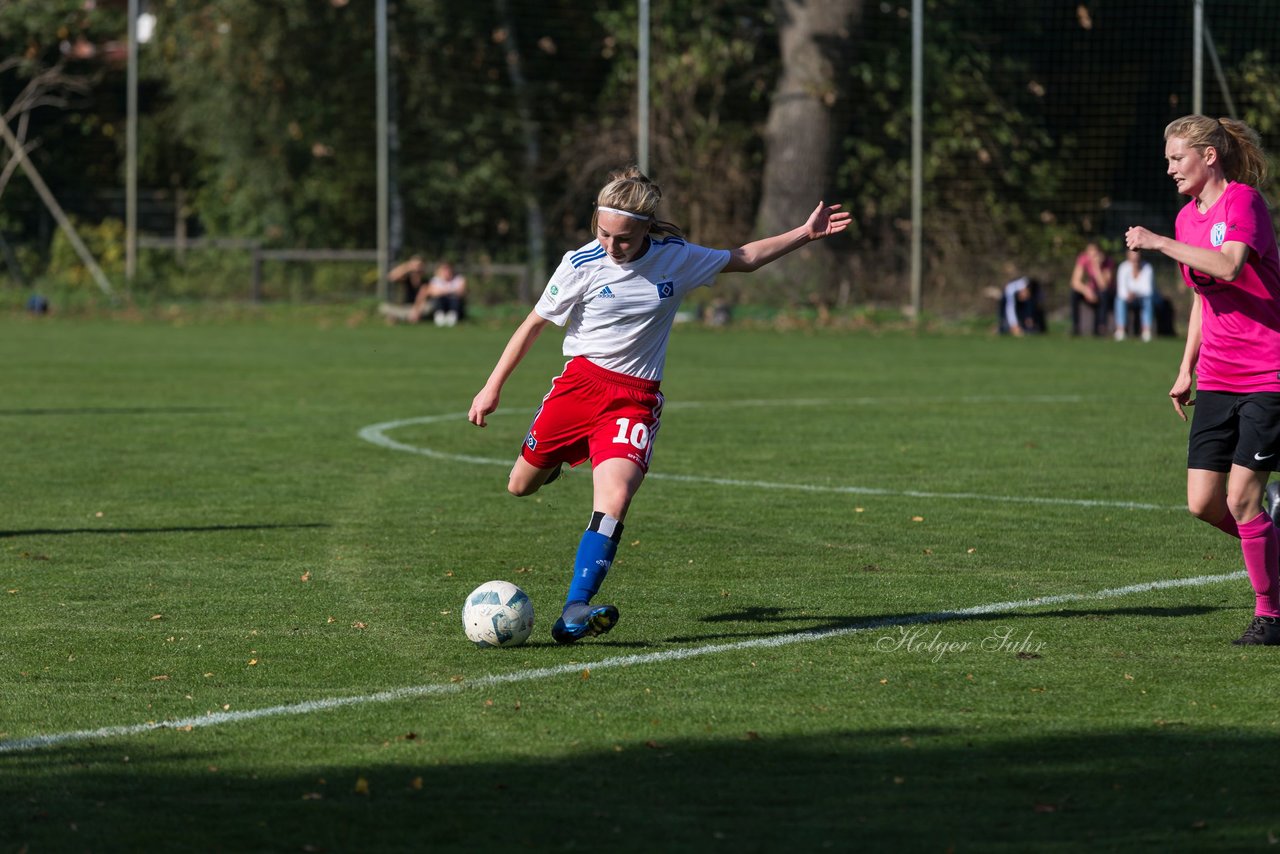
606	293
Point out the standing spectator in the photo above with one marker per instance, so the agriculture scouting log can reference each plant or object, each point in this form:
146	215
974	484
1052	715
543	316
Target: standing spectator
1225	246
1135	286
1091	288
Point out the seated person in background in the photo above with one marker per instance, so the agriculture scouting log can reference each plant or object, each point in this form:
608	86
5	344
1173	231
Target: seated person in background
410	274
1135	286
444	297
1091	287
1020	309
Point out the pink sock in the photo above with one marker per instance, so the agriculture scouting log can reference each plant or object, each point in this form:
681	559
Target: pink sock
1227	524
1261	547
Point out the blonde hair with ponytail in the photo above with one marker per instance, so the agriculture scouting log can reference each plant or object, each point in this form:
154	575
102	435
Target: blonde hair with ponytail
1239	147
631	191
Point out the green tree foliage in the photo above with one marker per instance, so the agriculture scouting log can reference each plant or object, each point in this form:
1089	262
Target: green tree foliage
275	100
991	181
52	55
1042	122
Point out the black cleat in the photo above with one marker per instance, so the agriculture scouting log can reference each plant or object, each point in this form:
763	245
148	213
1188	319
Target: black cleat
1273	501
1263	631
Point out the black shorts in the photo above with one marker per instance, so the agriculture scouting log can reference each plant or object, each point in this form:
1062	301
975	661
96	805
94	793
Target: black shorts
1228	428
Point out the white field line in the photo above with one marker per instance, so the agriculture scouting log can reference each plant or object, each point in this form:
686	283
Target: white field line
410	692
377	434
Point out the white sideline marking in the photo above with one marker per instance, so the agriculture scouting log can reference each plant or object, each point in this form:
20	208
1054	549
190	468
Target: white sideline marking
409	692
377	434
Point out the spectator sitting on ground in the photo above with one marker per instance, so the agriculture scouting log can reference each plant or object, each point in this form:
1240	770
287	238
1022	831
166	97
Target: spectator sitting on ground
410	275
444	297
1019	308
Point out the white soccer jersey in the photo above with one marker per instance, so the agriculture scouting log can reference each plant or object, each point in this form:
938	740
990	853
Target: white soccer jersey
619	315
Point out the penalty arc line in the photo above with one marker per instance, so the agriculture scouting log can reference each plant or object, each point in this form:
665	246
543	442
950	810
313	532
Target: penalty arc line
376	434
36	742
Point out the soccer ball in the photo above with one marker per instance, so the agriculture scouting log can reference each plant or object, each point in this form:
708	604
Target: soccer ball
497	613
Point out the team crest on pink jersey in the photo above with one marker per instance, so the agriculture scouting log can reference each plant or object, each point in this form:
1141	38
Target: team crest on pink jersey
1218	234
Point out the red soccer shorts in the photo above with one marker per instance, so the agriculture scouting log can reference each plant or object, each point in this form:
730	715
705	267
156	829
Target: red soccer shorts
597	414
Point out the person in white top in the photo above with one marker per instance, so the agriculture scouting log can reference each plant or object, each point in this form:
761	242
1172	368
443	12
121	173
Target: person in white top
444	297
617	298
1135	284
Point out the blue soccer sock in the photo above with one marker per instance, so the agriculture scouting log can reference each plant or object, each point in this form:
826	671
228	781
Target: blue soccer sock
595	555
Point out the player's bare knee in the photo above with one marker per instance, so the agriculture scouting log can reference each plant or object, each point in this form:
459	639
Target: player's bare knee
521	488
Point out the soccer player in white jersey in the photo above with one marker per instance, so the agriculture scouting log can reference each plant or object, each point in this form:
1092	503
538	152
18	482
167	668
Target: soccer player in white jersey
617	299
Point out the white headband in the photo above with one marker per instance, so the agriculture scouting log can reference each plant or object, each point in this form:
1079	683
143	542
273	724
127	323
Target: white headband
630	214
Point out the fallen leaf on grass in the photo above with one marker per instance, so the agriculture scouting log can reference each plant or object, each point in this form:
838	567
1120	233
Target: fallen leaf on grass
160	678
156	617
917	518
359	625
306	576
416	784
586	673
362	786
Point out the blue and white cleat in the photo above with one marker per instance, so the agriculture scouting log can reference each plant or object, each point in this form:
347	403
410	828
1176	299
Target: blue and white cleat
581	620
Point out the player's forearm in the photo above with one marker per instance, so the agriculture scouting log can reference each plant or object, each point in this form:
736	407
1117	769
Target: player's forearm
521	340
754	255
1191	353
1223	265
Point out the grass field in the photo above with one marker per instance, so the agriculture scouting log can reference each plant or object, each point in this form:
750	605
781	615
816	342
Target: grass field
882	592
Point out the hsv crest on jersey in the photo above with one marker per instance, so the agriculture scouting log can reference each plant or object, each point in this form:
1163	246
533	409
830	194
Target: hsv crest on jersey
666	290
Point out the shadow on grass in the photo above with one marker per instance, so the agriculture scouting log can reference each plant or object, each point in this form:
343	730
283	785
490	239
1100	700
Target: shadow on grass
177	529
114	410
892	789
800	623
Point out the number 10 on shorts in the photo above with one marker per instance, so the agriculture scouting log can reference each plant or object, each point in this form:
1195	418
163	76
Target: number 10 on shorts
636	435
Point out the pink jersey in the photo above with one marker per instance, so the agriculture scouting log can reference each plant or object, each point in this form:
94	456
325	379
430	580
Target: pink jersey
1240	320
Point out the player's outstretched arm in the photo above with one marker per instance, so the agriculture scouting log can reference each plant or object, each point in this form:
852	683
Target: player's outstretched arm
521	340
825	221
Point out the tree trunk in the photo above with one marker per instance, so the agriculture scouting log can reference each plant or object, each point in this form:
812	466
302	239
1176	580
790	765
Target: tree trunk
800	149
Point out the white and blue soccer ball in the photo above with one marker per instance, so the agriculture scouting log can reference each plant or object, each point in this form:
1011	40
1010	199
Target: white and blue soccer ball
497	613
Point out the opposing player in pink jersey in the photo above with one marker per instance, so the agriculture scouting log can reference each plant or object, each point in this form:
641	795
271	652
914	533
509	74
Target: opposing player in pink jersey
1226	248
617	297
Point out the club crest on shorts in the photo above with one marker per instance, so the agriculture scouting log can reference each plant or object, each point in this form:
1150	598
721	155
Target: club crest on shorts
1218	234
531	441
666	290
